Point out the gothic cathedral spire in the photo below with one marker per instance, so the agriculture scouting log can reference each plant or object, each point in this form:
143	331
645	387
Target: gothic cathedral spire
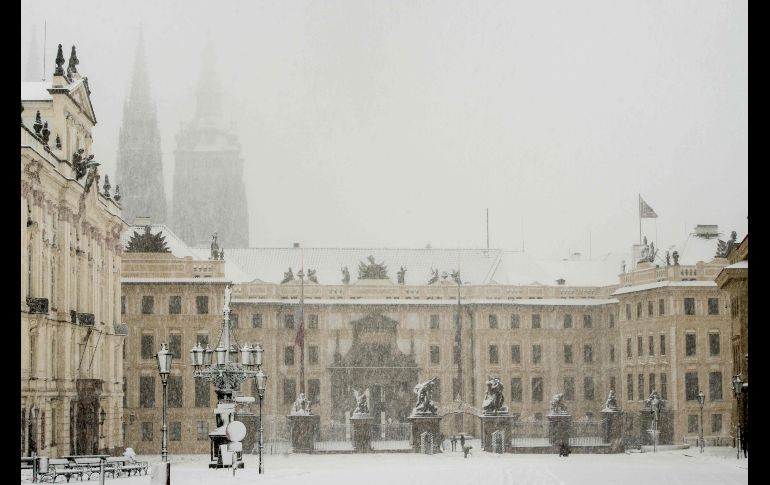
139	162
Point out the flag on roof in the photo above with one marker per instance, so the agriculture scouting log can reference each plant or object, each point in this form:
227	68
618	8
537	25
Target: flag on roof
645	211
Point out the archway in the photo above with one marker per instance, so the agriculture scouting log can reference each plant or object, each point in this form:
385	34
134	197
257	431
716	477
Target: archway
459	417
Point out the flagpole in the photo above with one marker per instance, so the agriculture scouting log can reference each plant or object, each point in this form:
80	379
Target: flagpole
640	218
302	323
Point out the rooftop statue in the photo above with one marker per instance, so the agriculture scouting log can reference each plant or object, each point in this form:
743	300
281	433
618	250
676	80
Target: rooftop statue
434	276
494	398
311	276
424	393
345	275
372	271
214	247
147	242
287	276
401	274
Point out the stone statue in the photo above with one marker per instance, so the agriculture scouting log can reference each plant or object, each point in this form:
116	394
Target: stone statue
287	276
611	404
311	276
301	406
107	186
424	393
623	266
434	277
372	271
73	63
362	407
675	255
456	277
38	124
345	275
117	196
645	254
401	275
652	254
228	292
214	247
59	62
668	259
494	398
46	133
58	142
222	254
557	404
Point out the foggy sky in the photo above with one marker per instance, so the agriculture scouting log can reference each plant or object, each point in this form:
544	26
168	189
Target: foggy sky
396	124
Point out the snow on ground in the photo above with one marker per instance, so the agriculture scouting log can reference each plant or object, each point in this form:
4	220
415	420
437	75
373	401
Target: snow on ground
688	466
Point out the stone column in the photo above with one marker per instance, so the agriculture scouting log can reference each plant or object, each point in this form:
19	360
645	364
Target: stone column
611	429
558	428
422	424
492	423
362	432
303	428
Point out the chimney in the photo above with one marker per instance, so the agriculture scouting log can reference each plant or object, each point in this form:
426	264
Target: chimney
296	245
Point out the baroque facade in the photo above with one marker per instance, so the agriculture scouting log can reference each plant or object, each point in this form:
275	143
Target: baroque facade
71	334
542	327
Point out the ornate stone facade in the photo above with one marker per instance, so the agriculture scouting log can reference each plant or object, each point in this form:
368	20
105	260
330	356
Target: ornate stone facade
71	355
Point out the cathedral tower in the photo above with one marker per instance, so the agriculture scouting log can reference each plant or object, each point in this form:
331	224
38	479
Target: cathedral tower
139	163
209	193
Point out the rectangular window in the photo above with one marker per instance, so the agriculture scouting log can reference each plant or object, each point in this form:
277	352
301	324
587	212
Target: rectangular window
628	311
661	307
640	387
434	322
312	321
612	320
662	345
174	305
456	388
256	320
202	430
288	356
714	344
148	305
716	423
202	305
492	321
588	388
312	355
639	310
689	345
649	308
122	304
691	386
569	388
628	348
715	386
288	321
516	389
639	346
567	321
663	386
630	387
535	320
692	423
567	354
146	431
289	391
612	382
652	382
651	345
434	354
202	393
588	321
175	431
175	345
515	321
689	306
146	391
537	389
536	354
713	306
233	320
494	358
437	390
148	347
314	391
175	391
612	353
516	354
588	353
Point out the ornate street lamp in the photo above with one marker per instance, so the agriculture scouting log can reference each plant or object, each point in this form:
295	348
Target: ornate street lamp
225	370
701	400
102	416
655	405
261	380
164	369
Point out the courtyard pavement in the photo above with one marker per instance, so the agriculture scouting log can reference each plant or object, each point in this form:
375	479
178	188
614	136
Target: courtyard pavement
684	466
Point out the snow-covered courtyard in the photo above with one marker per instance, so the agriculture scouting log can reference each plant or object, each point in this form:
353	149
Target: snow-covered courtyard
687	466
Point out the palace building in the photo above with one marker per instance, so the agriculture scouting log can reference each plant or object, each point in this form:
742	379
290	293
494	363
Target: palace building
71	333
386	319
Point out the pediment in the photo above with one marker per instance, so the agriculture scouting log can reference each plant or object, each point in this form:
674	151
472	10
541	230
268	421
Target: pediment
79	93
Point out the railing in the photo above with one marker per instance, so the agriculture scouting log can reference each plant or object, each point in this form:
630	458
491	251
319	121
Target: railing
337	437
527	433
333	437
586	432
728	441
276	436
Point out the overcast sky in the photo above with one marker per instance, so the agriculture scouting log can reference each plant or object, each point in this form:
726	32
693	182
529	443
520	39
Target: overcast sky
397	124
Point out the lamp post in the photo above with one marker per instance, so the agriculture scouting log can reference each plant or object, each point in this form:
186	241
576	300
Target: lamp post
701	400
737	388
655	405
164	368
261	379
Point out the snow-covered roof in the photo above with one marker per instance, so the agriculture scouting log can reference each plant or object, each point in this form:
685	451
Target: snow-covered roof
35	91
178	247
402	302
738	265
663	284
197	281
696	249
